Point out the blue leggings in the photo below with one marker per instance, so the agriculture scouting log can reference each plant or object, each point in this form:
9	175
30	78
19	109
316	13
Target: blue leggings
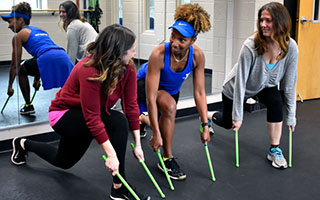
76	138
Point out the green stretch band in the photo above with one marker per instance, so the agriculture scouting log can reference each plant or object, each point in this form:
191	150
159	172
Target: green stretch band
209	162
236	147
290	148
165	170
5	103
124	182
150	176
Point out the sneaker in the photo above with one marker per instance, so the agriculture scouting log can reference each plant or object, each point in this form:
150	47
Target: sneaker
27	109
276	157
143	130
213	115
123	193
143	127
19	155
173	169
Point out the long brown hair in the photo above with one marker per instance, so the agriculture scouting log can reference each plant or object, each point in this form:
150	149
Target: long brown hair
73	13
106	53
281	26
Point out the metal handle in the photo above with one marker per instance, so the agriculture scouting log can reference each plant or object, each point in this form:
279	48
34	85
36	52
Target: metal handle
304	20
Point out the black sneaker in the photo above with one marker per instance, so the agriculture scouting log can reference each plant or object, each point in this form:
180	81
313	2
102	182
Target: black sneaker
19	155
143	130
173	169
123	193
27	110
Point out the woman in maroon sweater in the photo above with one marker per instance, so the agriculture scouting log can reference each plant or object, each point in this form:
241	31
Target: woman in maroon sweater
82	110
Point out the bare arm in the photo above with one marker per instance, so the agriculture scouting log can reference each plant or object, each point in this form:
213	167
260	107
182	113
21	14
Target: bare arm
112	163
152	84
16	59
199	91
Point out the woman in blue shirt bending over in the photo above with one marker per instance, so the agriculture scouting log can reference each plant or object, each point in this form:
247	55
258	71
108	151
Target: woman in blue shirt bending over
50	62
169	65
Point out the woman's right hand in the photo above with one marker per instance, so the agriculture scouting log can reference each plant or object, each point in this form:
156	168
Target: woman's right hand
112	164
156	142
236	125
10	91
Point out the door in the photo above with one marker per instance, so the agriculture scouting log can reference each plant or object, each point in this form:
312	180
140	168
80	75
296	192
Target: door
308	39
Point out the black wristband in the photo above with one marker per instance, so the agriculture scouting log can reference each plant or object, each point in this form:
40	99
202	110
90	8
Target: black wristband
203	124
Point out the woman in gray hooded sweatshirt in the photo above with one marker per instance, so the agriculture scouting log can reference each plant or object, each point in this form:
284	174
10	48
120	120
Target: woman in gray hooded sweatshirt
266	69
79	32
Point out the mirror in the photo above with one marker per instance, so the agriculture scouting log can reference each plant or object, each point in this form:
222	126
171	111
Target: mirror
149	19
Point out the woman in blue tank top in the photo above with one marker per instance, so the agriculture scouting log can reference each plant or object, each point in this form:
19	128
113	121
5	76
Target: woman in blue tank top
169	65
50	62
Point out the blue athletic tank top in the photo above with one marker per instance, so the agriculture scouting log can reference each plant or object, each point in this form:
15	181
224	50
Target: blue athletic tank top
170	81
39	42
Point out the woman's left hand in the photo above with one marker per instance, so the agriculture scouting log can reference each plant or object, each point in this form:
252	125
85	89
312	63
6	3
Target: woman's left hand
292	127
138	153
205	136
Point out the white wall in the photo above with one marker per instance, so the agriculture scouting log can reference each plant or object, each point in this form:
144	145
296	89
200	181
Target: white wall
232	22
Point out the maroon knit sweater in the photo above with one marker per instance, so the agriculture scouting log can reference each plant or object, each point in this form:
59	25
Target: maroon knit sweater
78	92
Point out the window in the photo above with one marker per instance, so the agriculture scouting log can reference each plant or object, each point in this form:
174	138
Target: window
149	14
35	4
179	2
120	12
316	9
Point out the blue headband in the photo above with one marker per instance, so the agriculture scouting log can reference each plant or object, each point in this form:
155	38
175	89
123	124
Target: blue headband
11	15
184	28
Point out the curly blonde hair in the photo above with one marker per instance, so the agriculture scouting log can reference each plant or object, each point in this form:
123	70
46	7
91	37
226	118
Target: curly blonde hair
195	15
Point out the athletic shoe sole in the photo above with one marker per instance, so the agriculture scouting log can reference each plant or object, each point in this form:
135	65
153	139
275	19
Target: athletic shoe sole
14	153
28	113
143	135
275	165
173	177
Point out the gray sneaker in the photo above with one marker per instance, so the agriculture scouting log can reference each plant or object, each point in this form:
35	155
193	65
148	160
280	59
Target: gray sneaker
276	157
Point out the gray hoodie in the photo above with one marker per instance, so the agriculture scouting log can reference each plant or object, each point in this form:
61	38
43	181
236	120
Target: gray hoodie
79	35
251	74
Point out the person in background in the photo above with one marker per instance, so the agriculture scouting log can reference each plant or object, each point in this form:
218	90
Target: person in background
266	70
50	62
163	75
82	110
79	32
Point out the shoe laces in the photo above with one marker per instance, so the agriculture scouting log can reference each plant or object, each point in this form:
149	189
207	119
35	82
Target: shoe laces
276	151
173	164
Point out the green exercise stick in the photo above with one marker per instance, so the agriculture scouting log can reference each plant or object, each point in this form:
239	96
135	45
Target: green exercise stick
209	162
34	94
6	103
165	170
290	148
237	147
124	182
150	175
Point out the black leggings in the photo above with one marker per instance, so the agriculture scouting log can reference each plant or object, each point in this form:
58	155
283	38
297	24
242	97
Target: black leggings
270	97
76	138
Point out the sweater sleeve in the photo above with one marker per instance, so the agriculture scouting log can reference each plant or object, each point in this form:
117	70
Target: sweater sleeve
243	68
289	82
130	99
90	92
73	43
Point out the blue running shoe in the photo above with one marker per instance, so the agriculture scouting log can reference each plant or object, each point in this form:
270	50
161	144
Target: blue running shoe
276	157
